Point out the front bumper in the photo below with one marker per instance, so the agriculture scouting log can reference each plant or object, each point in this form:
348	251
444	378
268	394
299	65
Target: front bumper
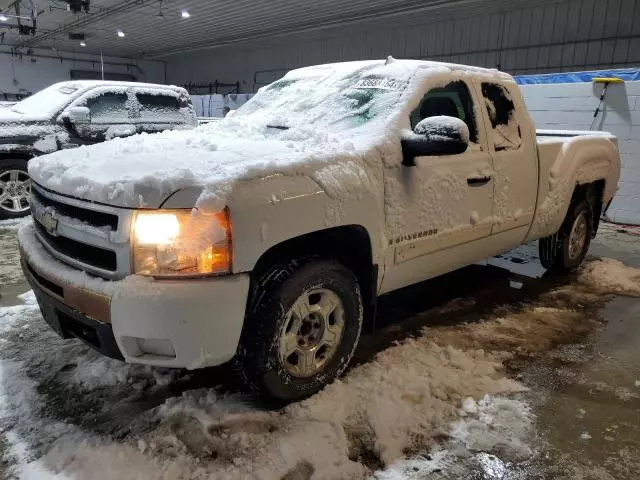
68	322
169	323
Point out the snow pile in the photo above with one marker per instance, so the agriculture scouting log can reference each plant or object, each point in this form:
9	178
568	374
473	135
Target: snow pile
95	370
14	223
408	393
612	276
400	402
491	433
498	425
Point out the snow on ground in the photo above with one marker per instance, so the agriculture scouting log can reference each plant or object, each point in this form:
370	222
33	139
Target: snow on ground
612	276
14	224
435	406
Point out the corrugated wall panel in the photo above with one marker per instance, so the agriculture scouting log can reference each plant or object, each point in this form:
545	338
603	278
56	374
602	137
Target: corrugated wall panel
537	36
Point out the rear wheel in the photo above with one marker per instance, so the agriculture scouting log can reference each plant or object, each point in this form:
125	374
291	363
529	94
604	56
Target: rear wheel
15	188
302	328
566	250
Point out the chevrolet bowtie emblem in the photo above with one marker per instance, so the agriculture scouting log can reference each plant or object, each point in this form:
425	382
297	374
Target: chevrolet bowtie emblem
49	222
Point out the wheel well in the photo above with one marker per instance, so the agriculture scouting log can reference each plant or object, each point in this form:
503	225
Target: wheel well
592	193
349	245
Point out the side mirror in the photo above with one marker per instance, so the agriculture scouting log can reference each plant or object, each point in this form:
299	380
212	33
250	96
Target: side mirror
440	135
76	115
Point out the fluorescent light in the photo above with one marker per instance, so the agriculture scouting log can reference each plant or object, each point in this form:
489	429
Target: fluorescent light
120	33
185	13
3	18
83	44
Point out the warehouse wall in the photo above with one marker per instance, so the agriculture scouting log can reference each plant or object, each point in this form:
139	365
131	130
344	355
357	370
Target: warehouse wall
520	37
30	73
571	106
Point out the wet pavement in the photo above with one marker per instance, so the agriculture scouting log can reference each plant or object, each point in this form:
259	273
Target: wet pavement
571	342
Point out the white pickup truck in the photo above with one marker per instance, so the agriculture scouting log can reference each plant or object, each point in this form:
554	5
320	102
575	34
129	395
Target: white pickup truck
265	239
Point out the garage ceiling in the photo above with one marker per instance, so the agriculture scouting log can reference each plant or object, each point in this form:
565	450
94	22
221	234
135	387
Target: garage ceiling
155	29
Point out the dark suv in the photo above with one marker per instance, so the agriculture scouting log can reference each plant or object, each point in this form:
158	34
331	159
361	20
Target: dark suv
70	114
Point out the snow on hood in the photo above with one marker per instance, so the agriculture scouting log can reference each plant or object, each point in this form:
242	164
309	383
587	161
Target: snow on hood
311	119
143	170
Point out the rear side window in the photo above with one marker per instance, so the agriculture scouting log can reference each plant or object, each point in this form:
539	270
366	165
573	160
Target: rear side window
108	107
453	100
159	107
502	114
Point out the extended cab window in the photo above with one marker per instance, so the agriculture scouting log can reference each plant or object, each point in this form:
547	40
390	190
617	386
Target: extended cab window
502	114
453	100
108	107
159	107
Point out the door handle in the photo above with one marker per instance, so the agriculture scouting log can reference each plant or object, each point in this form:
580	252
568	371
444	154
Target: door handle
478	181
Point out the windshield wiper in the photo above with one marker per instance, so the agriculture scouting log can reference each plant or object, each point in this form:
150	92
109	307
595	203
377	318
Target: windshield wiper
278	127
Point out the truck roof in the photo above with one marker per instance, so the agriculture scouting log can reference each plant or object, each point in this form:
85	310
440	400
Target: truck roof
407	63
84	84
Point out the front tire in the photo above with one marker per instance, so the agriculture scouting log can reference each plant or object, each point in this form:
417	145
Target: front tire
301	330
15	188
565	251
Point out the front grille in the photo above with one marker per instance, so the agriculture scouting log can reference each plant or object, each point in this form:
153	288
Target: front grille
88	254
92	217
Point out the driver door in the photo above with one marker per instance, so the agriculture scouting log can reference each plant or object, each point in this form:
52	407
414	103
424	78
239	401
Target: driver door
439	214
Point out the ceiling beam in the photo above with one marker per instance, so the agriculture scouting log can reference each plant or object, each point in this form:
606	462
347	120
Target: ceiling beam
84	21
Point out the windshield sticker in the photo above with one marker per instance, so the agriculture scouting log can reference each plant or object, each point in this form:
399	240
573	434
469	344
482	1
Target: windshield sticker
381	83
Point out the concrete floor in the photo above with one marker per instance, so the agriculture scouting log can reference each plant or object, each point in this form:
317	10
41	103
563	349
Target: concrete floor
572	344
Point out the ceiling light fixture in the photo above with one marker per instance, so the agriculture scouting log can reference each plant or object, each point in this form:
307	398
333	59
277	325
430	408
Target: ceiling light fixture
120	33
3	18
185	13
83	44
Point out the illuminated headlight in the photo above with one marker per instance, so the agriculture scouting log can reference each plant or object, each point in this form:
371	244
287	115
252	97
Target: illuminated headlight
181	243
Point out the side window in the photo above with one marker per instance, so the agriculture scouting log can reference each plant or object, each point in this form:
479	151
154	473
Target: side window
453	100
502	114
159	107
108	107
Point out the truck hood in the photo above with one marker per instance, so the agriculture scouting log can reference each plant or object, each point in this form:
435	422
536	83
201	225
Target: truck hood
142	171
10	117
15	125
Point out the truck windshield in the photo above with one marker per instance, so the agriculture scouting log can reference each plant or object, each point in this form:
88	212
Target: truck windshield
339	101
45	102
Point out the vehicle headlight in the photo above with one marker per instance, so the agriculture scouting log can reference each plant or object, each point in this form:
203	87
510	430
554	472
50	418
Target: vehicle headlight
181	243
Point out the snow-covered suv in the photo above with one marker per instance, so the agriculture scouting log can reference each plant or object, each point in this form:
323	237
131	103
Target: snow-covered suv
70	114
266	239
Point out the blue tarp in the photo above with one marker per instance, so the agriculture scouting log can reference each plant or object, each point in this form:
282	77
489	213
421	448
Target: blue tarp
626	74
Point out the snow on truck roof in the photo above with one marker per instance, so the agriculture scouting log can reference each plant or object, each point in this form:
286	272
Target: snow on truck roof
85	84
408	64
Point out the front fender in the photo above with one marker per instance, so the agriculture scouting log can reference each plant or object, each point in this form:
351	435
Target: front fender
269	211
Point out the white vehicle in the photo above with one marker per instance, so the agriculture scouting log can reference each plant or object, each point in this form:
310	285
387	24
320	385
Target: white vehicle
265	239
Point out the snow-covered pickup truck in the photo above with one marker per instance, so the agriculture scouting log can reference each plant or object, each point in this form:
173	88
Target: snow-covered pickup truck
70	114
265	239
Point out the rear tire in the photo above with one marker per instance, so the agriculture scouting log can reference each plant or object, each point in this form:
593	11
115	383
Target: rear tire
302	327
566	250
15	188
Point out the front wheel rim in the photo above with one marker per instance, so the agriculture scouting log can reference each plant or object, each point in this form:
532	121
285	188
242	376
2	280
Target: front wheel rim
15	188
578	236
312	332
